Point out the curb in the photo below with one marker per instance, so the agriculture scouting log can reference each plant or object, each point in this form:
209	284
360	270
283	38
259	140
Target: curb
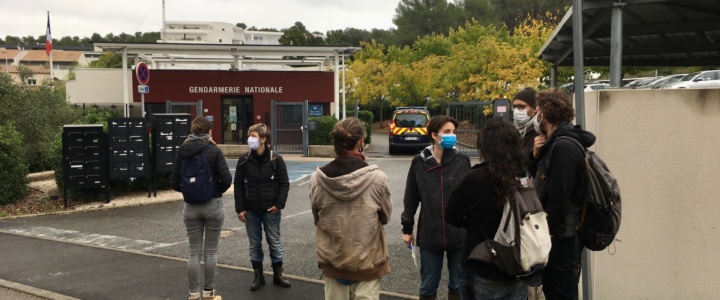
34	291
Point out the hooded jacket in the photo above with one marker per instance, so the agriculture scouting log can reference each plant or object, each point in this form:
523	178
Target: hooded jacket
431	184
561	178
349	212
261	182
194	145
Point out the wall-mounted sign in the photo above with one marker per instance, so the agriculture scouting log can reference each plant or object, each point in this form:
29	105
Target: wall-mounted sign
315	110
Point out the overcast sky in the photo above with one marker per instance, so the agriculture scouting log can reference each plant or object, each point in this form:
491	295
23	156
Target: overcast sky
84	17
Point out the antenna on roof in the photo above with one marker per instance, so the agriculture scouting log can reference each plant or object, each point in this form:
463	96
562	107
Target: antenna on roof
163	23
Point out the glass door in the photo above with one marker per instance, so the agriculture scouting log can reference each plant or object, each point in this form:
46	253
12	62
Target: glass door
237	117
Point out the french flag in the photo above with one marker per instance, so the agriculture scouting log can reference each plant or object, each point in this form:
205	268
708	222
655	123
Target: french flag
48	38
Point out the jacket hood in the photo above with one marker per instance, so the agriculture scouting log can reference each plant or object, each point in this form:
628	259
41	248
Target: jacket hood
192	147
348	187
585	138
428	156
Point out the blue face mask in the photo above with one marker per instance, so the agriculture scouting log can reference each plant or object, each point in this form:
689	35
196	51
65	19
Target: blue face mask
448	141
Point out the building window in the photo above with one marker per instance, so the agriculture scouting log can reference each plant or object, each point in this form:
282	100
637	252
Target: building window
258	38
31	81
220	41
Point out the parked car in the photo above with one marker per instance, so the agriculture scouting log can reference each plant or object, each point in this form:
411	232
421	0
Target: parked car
658	83
702	79
408	128
590	87
639	82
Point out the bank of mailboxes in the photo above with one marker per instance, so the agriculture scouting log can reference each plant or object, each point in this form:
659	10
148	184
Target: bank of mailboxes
84	156
169	132
128	148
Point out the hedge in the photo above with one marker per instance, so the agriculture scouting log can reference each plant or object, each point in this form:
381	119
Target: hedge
367	117
13	167
321	135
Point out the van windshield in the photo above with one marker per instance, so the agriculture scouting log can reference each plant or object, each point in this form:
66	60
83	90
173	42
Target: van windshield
410	120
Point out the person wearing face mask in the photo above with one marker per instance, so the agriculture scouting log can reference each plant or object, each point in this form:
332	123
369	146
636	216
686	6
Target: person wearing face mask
434	173
350	202
561	182
261	190
524	116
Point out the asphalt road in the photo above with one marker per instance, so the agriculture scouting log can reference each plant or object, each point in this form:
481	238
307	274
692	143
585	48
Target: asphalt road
158	228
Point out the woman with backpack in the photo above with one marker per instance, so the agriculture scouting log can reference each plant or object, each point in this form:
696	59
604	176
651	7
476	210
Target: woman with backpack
203	216
261	190
477	205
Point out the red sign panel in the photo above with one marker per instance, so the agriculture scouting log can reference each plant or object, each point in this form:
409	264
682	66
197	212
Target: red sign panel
143	73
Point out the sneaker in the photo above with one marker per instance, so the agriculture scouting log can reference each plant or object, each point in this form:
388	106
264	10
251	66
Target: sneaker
210	295
195	296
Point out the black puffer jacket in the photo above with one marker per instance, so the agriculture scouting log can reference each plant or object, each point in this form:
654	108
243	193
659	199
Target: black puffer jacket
261	182
431	184
215	160
561	178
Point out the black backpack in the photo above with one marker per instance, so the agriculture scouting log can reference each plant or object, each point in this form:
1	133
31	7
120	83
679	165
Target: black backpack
601	211
196	179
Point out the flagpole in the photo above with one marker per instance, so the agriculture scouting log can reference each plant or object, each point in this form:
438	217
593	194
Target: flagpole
48	40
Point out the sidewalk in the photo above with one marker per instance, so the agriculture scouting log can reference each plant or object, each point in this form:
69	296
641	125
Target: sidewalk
87	272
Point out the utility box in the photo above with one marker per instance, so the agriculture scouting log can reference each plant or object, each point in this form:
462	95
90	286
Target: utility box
169	132
85	159
501	109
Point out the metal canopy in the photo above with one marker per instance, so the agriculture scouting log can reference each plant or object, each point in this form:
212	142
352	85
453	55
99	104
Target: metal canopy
228	53
654	33
181	53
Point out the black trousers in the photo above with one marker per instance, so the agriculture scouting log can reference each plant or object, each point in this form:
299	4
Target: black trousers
562	273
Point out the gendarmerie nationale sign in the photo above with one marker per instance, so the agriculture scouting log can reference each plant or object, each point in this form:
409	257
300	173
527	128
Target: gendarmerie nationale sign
235	90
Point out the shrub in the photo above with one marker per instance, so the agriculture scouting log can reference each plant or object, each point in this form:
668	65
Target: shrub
13	168
321	135
367	117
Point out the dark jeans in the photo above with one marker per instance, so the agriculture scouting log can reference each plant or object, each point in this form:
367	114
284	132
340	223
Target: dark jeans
431	263
562	273
270	222
484	289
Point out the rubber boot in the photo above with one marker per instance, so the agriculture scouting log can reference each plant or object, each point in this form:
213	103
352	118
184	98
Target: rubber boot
259	280
453	296
278	278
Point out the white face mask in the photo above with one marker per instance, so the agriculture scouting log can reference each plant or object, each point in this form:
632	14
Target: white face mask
537	126
253	143
520	117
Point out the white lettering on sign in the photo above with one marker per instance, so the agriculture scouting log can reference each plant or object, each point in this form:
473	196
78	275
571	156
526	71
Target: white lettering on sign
263	90
235	90
215	90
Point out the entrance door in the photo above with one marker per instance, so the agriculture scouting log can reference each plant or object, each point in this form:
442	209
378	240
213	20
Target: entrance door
237	117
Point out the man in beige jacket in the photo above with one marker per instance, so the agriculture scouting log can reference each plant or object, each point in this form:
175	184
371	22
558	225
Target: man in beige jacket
351	203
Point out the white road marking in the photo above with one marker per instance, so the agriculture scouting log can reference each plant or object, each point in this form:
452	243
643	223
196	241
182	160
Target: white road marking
109	241
285	217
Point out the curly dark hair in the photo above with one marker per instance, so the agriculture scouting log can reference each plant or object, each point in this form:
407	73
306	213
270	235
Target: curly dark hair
555	106
347	133
438	122
500	145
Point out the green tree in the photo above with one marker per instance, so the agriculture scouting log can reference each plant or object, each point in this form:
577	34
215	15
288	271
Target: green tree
13	177
416	18
108	59
25	73
241	25
298	35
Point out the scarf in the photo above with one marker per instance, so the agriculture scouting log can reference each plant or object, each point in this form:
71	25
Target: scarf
198	137
528	126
